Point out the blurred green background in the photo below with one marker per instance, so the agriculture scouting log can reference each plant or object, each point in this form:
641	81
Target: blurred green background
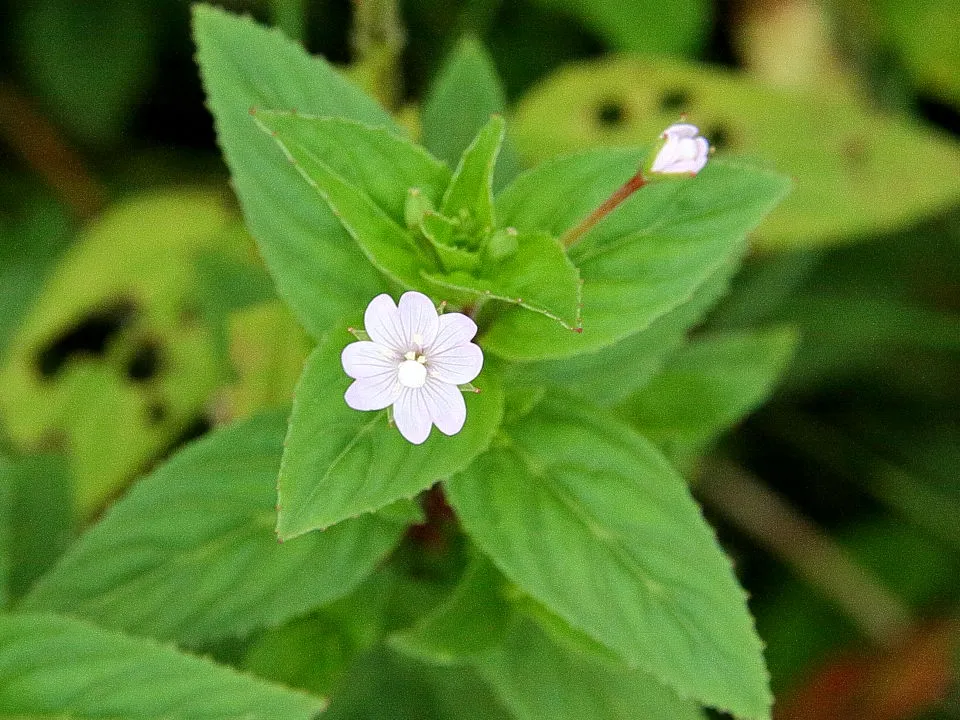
135	313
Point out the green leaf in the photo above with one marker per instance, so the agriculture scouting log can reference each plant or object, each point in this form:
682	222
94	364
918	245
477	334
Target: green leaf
469	196
28	247
541	677
54	667
609	375
363	175
459	103
190	554
91	87
538	276
708	386
646	258
643	26
39	518
339	462
842	154
373	160
590	520
924	33
538	675
318	271
384	684
267	350
475	617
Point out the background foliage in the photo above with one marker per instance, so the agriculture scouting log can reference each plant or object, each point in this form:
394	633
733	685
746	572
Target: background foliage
137	315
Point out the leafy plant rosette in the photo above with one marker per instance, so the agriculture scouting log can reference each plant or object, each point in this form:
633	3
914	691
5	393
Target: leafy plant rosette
495	336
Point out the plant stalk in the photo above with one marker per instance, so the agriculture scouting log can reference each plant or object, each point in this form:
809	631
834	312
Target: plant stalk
572	236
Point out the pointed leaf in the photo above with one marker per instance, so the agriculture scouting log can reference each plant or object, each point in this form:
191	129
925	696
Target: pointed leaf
539	676
339	462
706	387
646	258
317	270
367	198
590	520
460	101
470	193
374	160
609	375
538	276
55	667
190	554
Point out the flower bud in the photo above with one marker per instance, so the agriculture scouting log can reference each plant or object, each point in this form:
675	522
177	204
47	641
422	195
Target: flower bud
683	151
416	206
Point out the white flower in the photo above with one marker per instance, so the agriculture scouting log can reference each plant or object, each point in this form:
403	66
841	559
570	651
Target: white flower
684	151
414	360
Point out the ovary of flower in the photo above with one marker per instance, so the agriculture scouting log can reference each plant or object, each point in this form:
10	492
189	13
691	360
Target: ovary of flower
414	361
684	151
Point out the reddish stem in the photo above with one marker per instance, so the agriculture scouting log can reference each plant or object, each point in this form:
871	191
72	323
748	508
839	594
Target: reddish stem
573	235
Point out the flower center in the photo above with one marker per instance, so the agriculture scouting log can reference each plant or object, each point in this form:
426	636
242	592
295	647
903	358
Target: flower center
412	373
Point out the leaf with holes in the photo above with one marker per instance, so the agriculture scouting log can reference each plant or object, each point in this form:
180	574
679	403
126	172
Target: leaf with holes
842	154
190	554
590	520
55	667
339	463
127	350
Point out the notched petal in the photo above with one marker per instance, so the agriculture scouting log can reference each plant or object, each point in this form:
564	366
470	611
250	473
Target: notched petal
446	406
419	321
382	323
411	415
366	359
458	365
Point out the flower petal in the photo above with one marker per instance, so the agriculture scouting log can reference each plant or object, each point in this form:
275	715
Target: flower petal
455	329
457	365
446	406
367	359
382	323
681	130
418	319
374	393
411	415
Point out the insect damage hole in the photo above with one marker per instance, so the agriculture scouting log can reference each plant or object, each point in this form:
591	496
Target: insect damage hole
90	336
611	113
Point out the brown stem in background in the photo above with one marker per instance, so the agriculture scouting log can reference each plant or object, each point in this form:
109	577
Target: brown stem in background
746	503
573	235
32	136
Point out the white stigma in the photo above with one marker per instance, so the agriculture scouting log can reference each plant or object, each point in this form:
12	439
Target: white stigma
412	374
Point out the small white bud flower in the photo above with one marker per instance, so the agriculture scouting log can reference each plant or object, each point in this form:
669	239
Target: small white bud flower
684	151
